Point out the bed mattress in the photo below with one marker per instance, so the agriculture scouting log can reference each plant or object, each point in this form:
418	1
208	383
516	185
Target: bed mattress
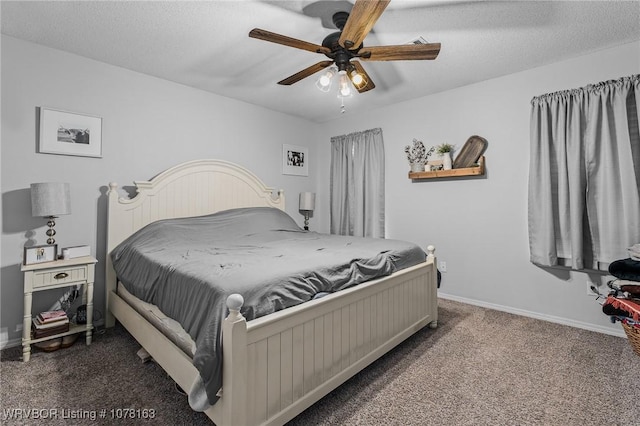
167	326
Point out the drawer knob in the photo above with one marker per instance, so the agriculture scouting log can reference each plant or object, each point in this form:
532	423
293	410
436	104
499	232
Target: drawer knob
60	276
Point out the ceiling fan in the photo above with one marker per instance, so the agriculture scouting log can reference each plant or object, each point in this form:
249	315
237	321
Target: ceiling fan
344	46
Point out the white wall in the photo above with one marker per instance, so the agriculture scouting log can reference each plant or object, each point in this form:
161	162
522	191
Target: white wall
479	225
148	125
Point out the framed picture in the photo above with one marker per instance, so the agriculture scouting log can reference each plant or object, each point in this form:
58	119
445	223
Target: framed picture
40	254
433	165
69	133
295	160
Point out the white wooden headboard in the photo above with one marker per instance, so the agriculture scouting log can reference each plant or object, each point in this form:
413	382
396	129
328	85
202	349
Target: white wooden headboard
194	188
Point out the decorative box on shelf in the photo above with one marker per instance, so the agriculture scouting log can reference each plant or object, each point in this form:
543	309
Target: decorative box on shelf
452	173
76	251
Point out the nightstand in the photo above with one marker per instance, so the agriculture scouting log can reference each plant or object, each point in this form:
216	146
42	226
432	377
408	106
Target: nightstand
57	274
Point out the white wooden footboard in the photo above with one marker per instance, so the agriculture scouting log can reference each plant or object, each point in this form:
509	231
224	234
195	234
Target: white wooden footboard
279	365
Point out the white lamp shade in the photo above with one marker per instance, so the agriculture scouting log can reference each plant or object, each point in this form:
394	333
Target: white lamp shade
50	199
307	201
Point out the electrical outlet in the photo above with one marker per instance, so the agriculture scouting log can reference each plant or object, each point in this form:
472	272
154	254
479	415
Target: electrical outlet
442	266
592	289
18	327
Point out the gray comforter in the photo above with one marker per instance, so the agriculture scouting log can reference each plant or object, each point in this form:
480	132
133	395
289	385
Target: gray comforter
188	267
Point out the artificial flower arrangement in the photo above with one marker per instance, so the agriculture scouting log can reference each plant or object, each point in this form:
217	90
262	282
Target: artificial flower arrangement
444	148
417	154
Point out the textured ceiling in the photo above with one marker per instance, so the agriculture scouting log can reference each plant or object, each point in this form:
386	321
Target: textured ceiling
204	44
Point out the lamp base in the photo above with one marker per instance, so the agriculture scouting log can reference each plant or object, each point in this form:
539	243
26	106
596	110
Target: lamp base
51	232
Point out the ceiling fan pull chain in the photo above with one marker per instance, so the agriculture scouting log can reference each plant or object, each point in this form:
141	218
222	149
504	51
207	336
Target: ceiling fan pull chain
342	108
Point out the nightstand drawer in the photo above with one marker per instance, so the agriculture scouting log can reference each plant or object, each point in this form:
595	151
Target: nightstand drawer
49	277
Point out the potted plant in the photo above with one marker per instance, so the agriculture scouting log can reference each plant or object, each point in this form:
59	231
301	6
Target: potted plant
445	150
417	155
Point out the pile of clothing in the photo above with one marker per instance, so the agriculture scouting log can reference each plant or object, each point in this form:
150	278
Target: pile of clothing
634	252
623	302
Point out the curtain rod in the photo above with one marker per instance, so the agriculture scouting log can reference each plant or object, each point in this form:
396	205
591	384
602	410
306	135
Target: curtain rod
590	87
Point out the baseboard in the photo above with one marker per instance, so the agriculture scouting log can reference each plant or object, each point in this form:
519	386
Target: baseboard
536	315
6	344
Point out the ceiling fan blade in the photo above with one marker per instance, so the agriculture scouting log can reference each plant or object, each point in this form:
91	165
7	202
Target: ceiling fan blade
368	83
305	73
403	52
363	16
287	41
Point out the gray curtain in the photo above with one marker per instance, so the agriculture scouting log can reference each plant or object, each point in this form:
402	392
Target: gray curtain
584	175
357	184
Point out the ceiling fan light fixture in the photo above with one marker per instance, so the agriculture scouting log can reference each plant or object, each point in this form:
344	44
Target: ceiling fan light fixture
324	81
357	79
324	84
344	91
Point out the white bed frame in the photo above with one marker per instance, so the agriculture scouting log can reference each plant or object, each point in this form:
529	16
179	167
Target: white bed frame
276	366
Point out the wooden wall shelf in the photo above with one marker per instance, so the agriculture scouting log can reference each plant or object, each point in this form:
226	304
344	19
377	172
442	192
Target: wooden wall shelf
467	171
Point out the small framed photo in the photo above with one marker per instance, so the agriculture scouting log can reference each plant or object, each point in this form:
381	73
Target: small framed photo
40	254
69	133
434	165
295	160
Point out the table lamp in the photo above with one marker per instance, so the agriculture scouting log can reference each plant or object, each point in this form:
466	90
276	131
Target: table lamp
50	200
307	204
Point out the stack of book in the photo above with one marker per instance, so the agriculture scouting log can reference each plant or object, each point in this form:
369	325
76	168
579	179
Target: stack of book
49	323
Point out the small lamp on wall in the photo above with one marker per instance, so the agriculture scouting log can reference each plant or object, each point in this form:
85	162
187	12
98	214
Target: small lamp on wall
50	200
307	204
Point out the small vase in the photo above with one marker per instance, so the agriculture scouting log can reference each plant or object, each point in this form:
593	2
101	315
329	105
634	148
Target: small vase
446	160
417	167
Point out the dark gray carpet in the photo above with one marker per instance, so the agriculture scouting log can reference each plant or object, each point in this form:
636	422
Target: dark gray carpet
480	367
